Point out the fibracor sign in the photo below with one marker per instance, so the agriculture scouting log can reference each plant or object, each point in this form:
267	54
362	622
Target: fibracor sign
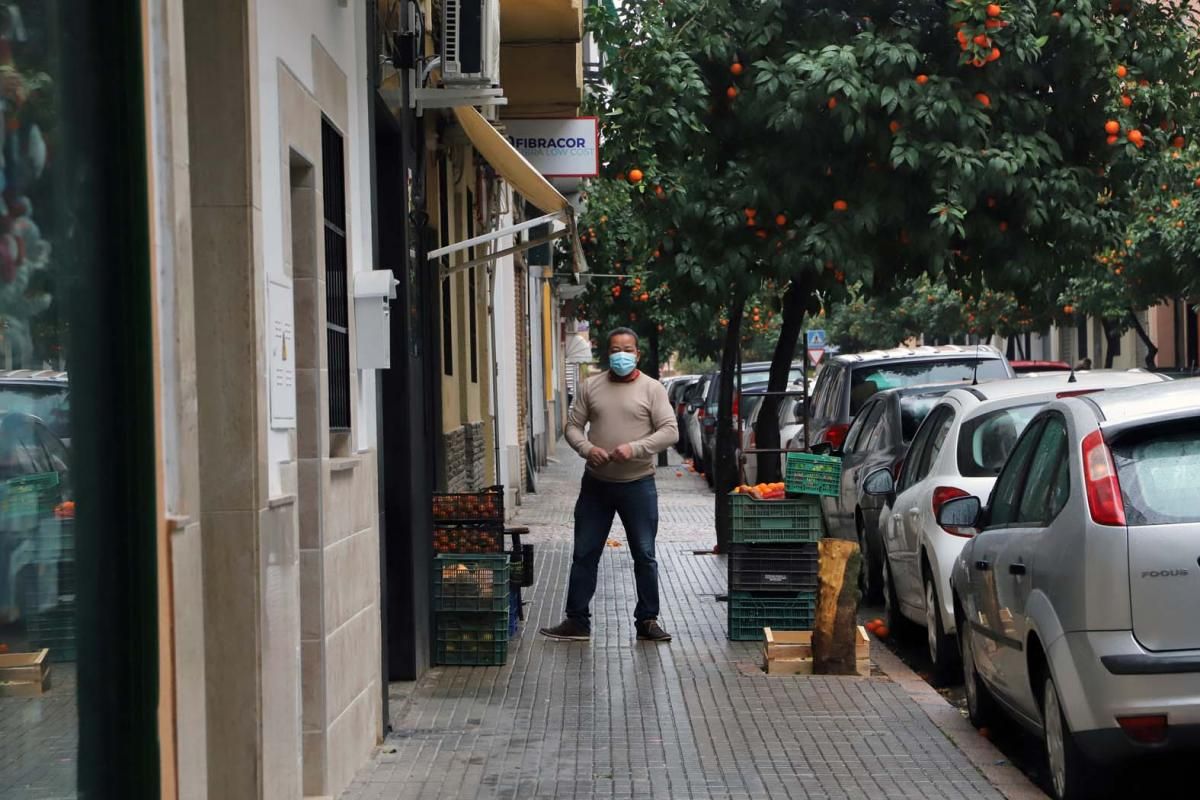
558	148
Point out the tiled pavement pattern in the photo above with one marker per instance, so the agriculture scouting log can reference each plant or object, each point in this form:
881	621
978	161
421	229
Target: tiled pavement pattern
621	719
38	740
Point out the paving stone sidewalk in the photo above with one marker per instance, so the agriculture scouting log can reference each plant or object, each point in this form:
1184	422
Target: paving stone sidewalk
617	718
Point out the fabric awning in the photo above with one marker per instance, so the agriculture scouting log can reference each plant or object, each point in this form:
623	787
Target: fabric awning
578	350
509	162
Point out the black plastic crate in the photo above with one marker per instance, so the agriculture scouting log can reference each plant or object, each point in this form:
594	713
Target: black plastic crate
470	582
750	613
478	537
483	506
521	566
773	568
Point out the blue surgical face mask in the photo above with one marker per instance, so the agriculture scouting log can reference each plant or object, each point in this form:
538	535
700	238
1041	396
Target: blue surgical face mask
622	363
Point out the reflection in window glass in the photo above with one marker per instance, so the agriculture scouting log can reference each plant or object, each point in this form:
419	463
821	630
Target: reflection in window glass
1159	471
37	536
986	440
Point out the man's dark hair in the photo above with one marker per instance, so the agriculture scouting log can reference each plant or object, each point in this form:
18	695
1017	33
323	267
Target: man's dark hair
622	332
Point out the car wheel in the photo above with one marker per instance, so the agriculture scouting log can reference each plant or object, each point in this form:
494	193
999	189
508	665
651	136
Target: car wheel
871	576
980	707
1072	776
941	648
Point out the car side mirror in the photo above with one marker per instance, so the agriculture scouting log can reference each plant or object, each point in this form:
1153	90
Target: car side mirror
880	483
960	513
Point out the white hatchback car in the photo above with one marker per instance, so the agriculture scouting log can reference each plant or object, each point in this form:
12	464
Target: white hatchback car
957	452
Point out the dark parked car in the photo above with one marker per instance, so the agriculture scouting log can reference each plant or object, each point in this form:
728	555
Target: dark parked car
878	437
754	377
693	418
848	381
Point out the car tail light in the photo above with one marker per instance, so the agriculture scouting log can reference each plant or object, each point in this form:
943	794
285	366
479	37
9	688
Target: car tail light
943	495
836	435
1100	476
700	412
1145	730
736	404
679	409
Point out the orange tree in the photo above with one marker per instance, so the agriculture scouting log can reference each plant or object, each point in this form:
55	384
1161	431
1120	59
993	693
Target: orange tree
813	142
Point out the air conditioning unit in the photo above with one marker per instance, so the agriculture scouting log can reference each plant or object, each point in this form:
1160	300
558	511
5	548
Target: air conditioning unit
471	42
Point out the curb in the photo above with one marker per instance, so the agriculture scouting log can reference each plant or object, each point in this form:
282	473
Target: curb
1008	780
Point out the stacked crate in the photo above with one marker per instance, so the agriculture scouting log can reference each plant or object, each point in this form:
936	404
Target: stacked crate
471	576
773	560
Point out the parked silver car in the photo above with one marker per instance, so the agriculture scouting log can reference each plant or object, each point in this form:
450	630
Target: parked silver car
1078	602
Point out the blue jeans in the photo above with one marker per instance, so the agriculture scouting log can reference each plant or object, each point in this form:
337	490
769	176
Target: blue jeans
637	504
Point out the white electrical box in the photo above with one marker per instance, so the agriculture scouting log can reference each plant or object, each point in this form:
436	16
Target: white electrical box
374	291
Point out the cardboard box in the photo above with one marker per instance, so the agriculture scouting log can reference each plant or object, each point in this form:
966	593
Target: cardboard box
24	674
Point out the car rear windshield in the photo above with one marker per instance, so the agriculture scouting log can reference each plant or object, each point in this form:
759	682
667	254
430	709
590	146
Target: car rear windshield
47	403
985	441
868	379
913	411
1159	470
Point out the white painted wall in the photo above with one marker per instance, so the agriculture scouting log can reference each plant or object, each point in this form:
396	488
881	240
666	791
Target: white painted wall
508	421
286	29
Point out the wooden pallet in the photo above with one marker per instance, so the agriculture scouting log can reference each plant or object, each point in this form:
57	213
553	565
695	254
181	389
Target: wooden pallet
790	652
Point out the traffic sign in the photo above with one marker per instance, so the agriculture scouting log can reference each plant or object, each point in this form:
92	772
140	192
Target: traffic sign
815	356
816	339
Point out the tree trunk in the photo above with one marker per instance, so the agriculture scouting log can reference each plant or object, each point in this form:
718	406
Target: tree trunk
1151	348
835	628
653	367
1112	338
766	431
724	466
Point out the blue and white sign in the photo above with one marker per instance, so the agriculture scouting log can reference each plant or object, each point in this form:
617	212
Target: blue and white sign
558	148
816	339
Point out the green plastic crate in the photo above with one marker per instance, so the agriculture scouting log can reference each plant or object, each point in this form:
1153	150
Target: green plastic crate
750	613
808	473
463	582
472	638
795	520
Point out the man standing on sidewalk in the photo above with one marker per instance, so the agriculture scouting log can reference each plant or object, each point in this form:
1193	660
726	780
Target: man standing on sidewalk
631	421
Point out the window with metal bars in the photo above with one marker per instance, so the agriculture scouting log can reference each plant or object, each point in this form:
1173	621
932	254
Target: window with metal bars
337	306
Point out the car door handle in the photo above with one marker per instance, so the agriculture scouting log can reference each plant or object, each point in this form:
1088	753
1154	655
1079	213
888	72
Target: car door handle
983	566
1016	569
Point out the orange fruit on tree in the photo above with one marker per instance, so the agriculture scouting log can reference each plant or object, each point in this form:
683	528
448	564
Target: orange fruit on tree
731	92
894	126
1198	183
1068	310
1126	100
657	254
1122	71
994	10
922	80
751	213
1003	226
1136	137
644	297
840	205
1112	127
982	40
1178	142
832	103
1113	139
994	55
761	233
1056	14
984	100
781	220
635	175
736	68
993	24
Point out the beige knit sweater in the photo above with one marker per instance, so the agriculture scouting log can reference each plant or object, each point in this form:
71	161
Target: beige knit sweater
613	413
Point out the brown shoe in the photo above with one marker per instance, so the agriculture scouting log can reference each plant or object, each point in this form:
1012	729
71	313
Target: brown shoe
568	631
651	631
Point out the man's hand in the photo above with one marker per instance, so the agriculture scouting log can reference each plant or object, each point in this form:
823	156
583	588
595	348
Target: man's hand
598	457
622	454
